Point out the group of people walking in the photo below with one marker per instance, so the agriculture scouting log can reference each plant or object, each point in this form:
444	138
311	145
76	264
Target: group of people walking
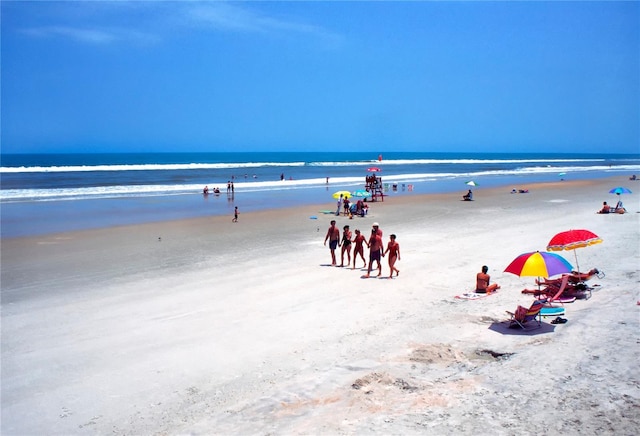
374	244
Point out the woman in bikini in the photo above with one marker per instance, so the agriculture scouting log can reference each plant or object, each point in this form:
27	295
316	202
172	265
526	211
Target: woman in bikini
346	246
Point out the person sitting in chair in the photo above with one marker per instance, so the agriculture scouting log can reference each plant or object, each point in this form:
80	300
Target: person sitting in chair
619	208
468	196
605	208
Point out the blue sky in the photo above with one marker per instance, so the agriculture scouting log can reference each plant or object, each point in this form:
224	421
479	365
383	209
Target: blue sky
252	76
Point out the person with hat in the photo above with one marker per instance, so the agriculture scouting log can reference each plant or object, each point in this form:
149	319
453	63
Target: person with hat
376	227
375	252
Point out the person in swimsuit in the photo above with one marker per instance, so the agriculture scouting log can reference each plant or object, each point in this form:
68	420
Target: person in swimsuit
333	235
393	248
482	282
359	242
375	251
346	246
605	208
235	215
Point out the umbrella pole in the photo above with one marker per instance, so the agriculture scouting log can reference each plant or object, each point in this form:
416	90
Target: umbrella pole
576	255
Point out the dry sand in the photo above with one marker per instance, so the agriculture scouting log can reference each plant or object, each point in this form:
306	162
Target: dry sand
210	327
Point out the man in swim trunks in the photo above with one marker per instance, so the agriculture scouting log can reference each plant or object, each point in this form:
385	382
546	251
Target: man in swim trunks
333	235
376	227
375	251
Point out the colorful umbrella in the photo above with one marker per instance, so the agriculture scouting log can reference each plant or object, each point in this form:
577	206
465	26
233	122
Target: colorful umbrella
620	190
361	193
539	264
344	194
471	183
374	169
572	239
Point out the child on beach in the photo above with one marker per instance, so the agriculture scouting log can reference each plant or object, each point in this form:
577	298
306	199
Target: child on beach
235	215
359	242
346	246
393	248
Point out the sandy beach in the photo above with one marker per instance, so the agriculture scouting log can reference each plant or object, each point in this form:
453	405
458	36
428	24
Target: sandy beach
206	326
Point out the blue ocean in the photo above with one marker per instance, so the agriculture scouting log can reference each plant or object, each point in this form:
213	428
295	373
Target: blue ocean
44	193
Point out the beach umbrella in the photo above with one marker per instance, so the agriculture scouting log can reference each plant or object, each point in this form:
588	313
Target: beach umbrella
471	183
562	174
620	190
345	194
572	239
374	169
538	264
362	193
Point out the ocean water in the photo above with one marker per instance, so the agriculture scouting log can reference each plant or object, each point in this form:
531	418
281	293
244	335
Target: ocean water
44	193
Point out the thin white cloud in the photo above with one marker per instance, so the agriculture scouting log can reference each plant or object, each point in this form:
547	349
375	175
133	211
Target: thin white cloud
156	20
97	36
92	36
228	17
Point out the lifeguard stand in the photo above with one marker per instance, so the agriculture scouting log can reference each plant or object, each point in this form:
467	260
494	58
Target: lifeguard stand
373	184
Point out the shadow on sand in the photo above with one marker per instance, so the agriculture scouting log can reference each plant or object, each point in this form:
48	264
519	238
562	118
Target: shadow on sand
502	327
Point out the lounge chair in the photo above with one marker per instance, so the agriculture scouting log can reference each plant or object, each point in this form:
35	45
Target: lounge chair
574	277
557	297
524	317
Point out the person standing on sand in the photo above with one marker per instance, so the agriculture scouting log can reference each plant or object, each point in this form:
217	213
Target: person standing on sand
482	282
375	251
339	205
333	235
376	227
346	246
359	242
235	215
393	248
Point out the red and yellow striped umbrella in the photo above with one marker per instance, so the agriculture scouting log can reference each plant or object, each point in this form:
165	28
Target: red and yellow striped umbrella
572	239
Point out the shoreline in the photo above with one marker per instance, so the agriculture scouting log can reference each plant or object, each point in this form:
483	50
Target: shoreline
221	327
317	208
42	218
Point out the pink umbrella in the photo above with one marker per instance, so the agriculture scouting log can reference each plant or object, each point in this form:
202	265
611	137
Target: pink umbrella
374	169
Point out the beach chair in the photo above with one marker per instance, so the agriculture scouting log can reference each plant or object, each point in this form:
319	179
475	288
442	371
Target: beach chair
557	296
524	318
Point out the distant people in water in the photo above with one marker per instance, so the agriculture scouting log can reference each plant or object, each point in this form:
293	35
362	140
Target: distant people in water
205	191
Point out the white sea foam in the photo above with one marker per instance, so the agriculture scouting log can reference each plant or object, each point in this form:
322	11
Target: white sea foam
93	192
238	165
